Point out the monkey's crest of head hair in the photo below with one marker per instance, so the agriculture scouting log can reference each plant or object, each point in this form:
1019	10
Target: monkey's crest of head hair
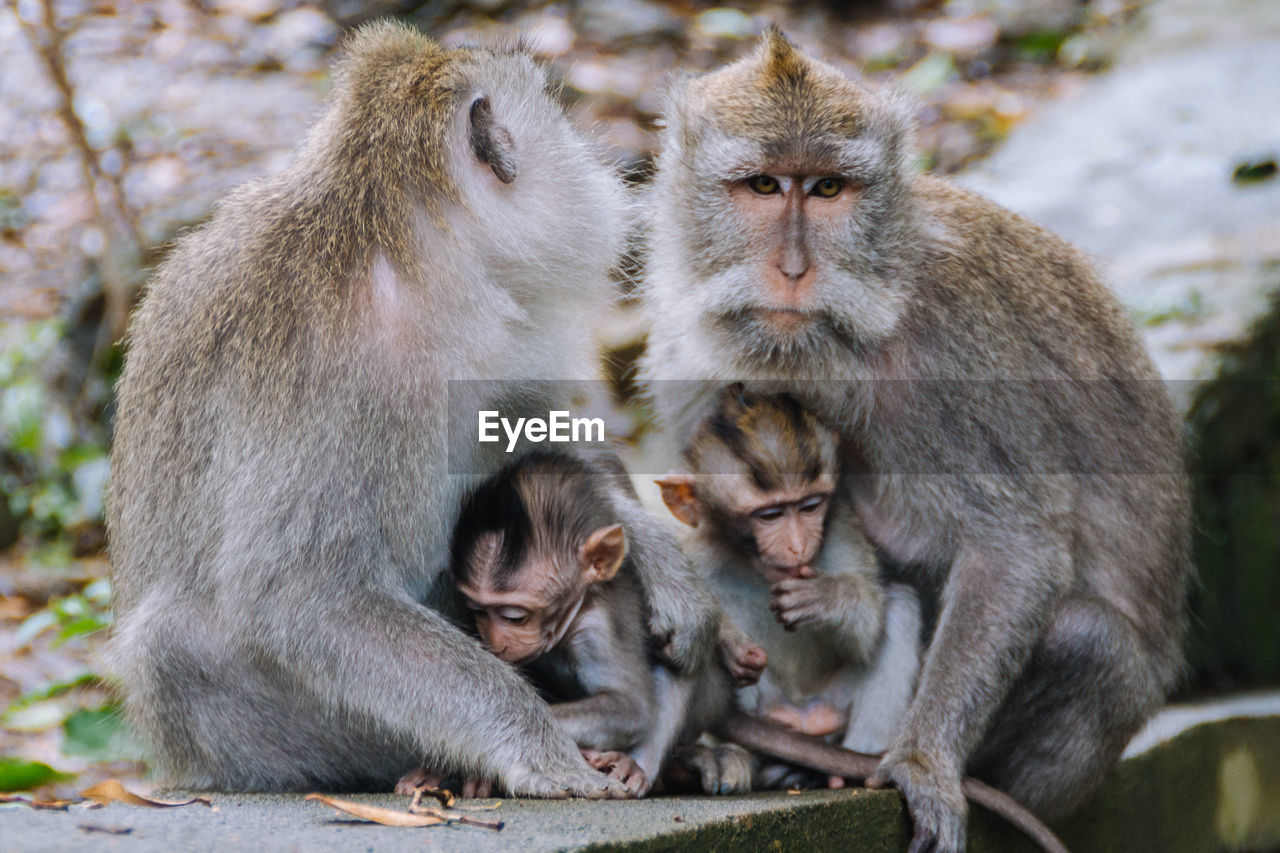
769	437
544	503
796	109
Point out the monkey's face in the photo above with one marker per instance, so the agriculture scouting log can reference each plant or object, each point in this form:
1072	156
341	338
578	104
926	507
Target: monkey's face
787	532
523	614
529	616
790	179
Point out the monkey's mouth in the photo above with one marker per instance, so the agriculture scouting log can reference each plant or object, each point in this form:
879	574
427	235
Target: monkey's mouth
793	571
784	319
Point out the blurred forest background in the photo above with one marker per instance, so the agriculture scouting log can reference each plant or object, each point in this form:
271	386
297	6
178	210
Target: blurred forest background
125	122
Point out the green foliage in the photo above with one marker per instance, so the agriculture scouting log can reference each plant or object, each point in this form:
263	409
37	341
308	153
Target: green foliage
98	735
52	478
1235	466
74	615
1041	46
17	774
1254	172
1191	308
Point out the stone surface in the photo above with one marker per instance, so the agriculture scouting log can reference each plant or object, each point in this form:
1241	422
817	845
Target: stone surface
1136	167
1199	778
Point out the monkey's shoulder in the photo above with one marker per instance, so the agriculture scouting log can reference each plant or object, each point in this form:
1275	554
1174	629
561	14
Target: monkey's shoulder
989	268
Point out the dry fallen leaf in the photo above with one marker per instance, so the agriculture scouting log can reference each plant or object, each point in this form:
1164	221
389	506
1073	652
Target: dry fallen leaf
111	791
418	815
454	816
443	795
376	814
40	805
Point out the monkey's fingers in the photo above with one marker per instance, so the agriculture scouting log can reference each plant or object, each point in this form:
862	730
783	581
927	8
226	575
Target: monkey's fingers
587	783
477	787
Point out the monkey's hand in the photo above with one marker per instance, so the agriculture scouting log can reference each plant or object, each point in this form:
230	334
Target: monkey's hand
620	766
742	657
797	602
586	782
934	798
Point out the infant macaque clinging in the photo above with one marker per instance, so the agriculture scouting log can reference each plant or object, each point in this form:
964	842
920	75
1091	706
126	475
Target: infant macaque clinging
786	556
541	561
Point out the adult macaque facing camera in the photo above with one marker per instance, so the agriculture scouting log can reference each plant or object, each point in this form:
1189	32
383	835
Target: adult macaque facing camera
1004	435
283	483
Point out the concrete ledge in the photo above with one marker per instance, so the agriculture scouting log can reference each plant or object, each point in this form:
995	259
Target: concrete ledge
1213	785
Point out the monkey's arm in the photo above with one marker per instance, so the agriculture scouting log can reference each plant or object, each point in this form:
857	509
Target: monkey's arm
995	604
615	674
683	615
404	665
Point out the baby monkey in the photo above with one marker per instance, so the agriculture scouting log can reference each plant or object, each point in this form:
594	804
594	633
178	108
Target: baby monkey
542	564
786	556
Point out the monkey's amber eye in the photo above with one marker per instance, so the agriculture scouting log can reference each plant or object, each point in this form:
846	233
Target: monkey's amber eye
768	514
763	184
828	187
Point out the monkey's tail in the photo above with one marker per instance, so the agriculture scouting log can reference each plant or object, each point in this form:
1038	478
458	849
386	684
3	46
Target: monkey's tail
772	739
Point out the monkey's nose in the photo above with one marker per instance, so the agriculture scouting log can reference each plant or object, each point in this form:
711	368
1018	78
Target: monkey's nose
793	263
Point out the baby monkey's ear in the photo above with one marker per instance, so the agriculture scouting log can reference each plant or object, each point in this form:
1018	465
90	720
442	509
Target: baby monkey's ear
602	554
679	496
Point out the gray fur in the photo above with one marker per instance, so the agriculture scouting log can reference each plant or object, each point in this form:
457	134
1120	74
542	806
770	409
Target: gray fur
282	487
1012	440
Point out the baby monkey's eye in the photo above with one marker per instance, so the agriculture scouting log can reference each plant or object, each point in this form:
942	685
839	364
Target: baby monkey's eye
769	514
513	616
827	187
763	184
812	504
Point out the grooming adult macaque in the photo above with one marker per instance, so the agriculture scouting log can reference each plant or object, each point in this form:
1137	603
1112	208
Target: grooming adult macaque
283	482
1005	436
541	563
775	538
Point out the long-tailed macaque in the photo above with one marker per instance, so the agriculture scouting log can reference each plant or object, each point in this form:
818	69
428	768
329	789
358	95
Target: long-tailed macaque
542	564
283	482
1005	437
775	538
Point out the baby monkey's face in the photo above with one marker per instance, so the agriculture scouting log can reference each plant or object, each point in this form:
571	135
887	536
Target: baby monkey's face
525	611
787	527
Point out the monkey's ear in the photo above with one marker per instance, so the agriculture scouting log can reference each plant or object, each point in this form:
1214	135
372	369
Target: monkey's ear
680	498
603	552
491	142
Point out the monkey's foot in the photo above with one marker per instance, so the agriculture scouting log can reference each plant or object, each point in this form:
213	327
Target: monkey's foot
426	780
934	798
723	769
620	766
